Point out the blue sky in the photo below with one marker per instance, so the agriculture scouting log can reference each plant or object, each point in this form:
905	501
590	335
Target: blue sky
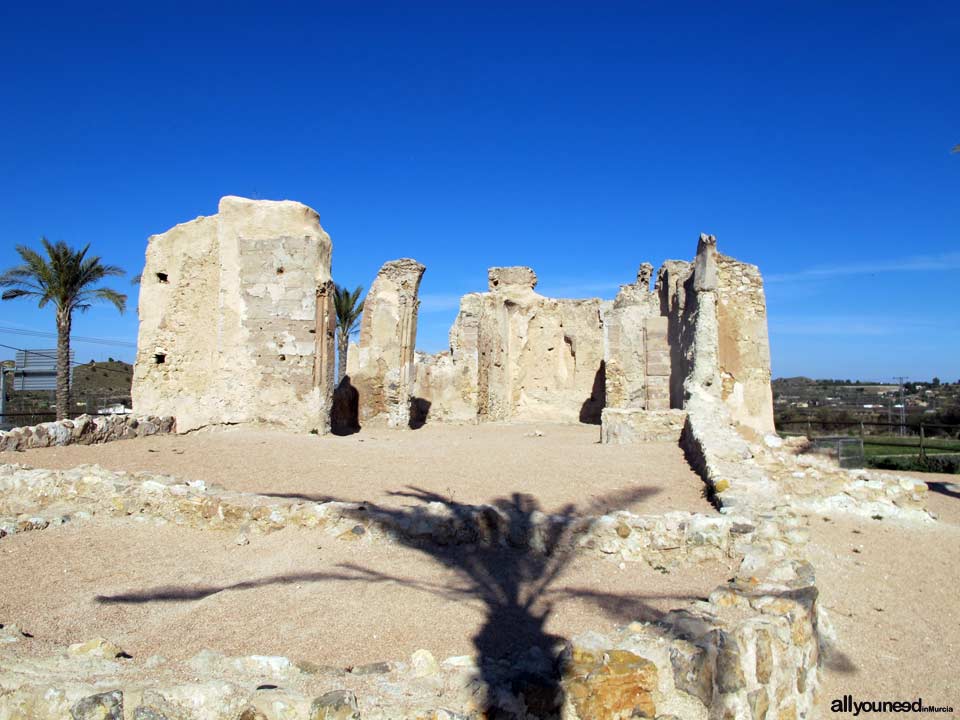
581	139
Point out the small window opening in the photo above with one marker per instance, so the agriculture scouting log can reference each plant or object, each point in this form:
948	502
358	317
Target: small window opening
162	277
280	270
282	358
159	358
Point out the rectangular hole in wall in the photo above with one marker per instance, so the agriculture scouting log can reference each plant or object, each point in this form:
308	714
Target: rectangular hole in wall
159	358
162	277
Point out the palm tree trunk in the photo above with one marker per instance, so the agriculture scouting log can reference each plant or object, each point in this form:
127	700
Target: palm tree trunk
64	320
343	342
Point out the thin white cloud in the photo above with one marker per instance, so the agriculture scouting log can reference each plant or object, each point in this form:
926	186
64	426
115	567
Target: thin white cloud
916	263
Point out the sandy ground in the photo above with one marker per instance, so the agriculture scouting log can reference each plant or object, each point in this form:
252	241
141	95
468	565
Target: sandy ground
175	590
891	591
470	464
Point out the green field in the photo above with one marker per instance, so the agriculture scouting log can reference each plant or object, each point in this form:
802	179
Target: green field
875	445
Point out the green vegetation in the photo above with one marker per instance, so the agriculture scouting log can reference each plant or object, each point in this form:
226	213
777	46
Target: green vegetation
349	307
68	279
949	464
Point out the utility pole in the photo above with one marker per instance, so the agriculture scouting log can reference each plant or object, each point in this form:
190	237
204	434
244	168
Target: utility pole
903	415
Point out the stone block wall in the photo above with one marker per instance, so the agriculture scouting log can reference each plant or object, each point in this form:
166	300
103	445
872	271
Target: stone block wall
236	319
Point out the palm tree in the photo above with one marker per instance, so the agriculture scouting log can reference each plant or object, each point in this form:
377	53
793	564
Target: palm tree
66	278
349	307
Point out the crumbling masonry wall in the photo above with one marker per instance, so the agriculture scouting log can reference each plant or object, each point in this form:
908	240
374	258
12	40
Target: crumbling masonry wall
516	355
237	324
383	372
236	319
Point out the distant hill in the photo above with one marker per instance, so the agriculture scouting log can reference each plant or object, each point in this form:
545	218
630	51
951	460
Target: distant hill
112	377
96	385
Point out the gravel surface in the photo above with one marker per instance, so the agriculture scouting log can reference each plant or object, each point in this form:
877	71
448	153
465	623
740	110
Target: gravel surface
891	592
162	589
470	464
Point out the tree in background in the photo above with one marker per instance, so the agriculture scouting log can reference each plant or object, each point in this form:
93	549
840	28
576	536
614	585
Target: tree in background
69	280
349	307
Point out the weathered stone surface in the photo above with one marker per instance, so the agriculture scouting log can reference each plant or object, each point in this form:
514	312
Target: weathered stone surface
97	647
692	670
236	319
335	705
609	685
517	355
626	427
103	706
384	375
85	430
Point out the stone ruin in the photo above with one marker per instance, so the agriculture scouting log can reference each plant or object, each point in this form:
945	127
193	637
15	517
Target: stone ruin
236	319
237	326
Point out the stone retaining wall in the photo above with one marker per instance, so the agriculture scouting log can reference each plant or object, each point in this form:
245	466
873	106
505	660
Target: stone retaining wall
85	430
33	499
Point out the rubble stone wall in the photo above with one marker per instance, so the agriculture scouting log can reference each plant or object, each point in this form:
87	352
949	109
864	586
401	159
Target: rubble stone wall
85	430
383	372
744	346
236	319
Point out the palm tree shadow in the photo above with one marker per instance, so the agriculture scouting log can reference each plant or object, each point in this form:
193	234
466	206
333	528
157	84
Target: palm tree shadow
509	562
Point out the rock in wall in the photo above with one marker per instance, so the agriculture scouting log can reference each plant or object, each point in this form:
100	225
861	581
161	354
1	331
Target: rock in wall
236	319
383	373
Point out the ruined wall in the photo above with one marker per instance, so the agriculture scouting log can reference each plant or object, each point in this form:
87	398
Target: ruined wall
517	355
383	369
718	335
636	348
744	346
236	319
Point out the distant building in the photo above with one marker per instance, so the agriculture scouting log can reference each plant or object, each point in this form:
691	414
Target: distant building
37	370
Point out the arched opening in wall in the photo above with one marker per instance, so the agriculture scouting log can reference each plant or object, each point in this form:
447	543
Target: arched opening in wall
592	408
345	409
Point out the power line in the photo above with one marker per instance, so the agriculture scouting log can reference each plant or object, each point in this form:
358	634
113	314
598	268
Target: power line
75	338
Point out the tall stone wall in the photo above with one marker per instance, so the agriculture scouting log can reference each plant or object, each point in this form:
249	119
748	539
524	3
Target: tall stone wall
517	355
383	373
636	348
237	326
717	331
237	320
744	345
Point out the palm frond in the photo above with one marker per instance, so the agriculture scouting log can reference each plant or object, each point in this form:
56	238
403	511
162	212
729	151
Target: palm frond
349	308
18	293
